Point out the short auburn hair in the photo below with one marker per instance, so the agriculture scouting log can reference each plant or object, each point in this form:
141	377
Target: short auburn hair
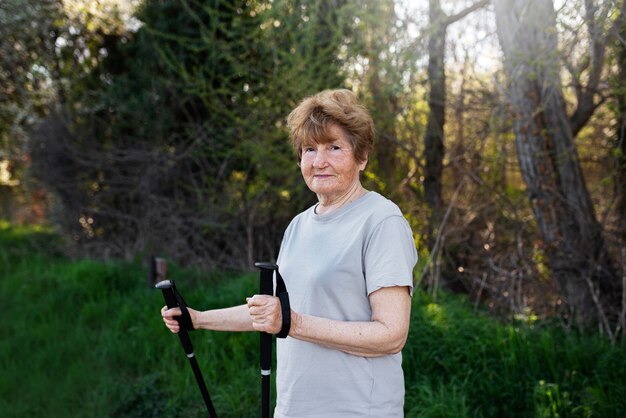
309	122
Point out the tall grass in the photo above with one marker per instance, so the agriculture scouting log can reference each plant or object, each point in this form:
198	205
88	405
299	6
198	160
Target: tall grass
84	339
480	367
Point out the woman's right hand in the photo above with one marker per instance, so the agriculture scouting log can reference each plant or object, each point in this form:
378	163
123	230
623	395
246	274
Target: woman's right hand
169	318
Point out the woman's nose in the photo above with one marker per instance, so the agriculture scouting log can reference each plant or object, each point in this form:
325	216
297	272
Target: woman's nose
320	159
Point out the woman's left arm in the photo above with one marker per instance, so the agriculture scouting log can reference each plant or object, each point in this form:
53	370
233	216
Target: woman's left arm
384	334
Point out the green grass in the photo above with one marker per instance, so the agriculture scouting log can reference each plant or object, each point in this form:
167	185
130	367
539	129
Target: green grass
84	339
480	367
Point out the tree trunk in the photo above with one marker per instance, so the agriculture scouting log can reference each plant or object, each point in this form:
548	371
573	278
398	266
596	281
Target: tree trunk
434	149
383	104
620	137
572	237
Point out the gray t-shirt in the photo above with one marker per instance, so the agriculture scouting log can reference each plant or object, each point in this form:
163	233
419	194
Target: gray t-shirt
330	264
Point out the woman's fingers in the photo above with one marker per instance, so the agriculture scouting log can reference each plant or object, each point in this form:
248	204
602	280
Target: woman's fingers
265	313
169	318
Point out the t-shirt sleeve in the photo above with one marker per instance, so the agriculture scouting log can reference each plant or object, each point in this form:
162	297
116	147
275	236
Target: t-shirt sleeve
390	255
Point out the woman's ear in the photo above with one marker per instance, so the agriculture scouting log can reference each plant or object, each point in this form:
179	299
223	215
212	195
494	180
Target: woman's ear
363	164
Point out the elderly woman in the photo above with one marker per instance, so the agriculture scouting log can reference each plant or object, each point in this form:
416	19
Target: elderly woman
347	262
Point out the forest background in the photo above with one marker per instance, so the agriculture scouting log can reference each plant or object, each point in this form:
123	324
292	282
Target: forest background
158	127
134	128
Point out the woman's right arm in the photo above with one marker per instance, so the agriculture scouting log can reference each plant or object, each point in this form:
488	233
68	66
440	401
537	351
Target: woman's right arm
236	318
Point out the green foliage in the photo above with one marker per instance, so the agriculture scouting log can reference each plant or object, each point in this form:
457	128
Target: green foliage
164	133
176	143
490	369
85	339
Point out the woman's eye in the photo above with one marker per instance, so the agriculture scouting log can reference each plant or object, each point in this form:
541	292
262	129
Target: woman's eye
335	147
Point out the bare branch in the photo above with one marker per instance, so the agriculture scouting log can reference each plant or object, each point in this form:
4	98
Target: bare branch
454	18
586	95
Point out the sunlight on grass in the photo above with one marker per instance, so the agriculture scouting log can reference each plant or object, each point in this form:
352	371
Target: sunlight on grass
22	230
528	317
437	315
434	310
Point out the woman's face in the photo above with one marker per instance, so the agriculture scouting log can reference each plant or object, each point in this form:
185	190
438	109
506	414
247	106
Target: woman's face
330	170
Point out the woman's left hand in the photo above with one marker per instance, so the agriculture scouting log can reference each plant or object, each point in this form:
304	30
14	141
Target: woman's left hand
265	313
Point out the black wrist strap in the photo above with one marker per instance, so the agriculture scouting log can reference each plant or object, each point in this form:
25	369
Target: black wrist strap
185	318
285	306
286	312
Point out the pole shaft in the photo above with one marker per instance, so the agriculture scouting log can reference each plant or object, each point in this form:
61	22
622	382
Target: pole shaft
266	287
202	386
168	288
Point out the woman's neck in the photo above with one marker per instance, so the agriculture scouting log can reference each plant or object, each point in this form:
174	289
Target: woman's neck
329	204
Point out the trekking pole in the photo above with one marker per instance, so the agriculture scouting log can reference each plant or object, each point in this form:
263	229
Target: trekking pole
266	287
174	299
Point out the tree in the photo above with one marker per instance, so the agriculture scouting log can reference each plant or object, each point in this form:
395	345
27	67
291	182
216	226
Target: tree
620	112
434	148
177	145
572	237
25	47
47	51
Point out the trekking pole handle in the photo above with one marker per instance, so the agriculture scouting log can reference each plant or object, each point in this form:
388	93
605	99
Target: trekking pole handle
168	288
266	287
